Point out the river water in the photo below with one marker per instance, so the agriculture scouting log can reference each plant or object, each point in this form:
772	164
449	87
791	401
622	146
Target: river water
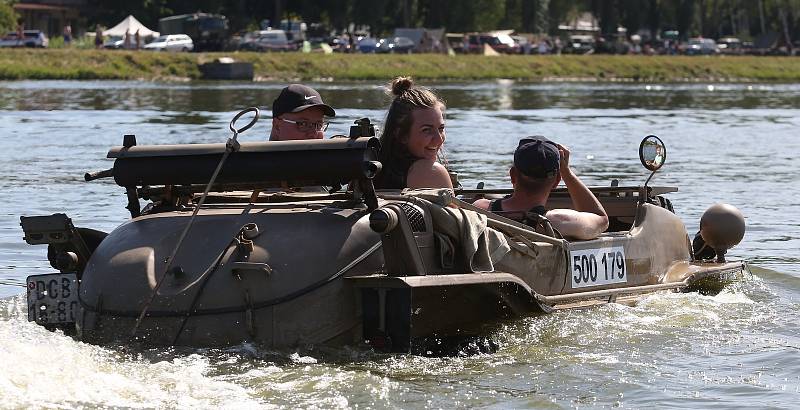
733	143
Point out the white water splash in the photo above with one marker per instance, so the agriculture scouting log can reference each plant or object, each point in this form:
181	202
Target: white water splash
48	369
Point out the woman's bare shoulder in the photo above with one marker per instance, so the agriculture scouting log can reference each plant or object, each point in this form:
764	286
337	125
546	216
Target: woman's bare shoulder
426	173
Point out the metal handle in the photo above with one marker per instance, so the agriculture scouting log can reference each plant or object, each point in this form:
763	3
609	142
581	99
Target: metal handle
250	124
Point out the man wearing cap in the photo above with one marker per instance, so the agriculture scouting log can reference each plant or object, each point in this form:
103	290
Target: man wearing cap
539	165
299	114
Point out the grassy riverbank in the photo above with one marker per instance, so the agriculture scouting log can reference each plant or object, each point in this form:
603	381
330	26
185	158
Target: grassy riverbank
19	64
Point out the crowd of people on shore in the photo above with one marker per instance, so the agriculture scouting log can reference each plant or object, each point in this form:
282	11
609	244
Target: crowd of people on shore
438	41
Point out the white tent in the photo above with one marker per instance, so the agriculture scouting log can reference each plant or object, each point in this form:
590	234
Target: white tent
131	25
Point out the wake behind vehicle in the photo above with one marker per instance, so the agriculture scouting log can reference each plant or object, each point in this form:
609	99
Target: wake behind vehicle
225	252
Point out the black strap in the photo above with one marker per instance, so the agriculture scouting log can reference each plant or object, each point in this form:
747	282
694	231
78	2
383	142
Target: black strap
539	209
496	205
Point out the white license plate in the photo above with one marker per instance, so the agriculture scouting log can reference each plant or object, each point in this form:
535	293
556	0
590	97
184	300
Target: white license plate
52	298
595	267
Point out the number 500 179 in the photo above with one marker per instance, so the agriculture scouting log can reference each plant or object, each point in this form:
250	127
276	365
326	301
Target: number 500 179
594	267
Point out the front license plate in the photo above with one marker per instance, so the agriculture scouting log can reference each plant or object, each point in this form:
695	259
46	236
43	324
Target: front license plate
595	267
52	298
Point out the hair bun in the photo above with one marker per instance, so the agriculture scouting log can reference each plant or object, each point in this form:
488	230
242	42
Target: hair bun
401	84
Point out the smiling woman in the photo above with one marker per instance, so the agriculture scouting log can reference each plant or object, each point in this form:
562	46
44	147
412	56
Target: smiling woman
412	139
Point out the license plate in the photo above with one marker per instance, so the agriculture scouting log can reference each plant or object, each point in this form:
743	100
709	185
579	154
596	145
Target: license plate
595	267
52	298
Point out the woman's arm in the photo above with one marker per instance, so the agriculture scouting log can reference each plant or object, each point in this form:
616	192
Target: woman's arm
425	173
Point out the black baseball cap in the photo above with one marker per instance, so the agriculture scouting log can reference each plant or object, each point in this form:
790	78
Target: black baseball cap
537	157
298	97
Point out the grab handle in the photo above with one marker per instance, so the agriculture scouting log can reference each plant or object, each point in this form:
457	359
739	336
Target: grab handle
91	176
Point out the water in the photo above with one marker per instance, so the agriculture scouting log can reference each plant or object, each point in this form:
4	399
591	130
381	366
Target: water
732	143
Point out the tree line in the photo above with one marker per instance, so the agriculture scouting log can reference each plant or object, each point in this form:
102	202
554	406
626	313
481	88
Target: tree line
707	18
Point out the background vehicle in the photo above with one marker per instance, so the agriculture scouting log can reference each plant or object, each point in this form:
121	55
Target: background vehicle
209	32
114	43
267	40
730	45
33	38
171	42
402	45
367	45
579	44
500	42
701	46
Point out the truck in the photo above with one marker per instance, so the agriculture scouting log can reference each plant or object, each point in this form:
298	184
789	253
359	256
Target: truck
209	32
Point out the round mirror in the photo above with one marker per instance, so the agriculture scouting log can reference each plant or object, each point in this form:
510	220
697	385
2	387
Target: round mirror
652	152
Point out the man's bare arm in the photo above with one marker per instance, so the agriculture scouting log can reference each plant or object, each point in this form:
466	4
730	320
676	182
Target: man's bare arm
576	224
589	218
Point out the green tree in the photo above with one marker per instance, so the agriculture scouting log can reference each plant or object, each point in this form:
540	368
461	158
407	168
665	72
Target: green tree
8	17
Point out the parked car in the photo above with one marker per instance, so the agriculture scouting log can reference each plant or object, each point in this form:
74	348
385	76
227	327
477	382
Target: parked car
171	42
368	45
700	46
114	42
579	44
32	38
730	45
401	45
267	40
502	43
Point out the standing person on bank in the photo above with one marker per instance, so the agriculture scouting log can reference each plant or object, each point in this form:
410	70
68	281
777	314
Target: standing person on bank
20	33
539	165
299	114
98	37
67	35
412	139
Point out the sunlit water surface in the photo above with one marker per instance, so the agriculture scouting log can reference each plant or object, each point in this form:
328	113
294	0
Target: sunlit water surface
732	143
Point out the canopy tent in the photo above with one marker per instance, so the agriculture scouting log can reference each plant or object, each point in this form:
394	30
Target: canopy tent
130	25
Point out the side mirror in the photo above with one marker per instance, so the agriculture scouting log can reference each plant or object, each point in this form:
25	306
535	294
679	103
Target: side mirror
652	152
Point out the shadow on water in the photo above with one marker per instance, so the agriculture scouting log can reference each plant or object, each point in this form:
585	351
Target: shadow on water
503	95
182	119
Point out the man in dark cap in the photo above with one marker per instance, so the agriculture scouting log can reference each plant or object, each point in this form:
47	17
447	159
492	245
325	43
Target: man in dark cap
539	165
299	114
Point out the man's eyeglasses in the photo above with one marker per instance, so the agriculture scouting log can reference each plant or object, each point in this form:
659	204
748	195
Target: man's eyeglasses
306	126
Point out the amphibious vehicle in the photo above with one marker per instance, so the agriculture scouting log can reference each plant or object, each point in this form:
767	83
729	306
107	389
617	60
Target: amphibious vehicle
288	243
